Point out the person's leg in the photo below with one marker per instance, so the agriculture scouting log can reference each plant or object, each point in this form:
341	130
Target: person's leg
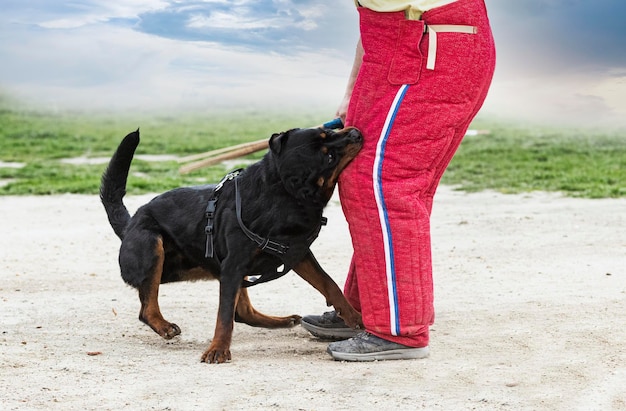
422	129
411	131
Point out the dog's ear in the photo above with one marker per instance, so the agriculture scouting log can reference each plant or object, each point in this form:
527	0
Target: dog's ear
276	142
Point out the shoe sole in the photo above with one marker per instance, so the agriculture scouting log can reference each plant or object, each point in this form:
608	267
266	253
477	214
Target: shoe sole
400	354
334	334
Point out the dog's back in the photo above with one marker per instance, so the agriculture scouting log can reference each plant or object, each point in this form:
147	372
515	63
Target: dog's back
113	185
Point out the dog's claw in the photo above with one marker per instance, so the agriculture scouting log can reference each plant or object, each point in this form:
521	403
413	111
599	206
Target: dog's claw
215	356
353	321
172	332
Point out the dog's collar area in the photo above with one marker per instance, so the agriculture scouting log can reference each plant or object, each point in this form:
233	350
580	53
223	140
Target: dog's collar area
228	177
268	245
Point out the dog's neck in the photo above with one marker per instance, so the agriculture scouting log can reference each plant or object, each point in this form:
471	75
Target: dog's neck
264	193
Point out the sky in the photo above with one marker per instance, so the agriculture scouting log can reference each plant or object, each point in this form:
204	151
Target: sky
557	60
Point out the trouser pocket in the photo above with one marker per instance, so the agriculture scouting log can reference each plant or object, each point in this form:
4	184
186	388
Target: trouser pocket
406	64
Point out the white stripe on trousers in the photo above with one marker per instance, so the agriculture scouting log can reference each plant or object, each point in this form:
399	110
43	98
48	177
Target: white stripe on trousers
392	293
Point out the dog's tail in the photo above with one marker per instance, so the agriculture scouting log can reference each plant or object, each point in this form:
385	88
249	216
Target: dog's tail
113	184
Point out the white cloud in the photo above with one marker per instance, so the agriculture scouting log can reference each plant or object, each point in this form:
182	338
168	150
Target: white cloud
246	18
70	23
101	67
79	14
235	20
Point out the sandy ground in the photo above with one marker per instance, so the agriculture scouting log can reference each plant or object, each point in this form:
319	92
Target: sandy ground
530	301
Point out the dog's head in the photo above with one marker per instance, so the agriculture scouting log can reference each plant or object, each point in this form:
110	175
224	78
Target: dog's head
309	160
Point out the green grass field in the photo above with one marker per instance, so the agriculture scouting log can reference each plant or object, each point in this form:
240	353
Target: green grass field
512	158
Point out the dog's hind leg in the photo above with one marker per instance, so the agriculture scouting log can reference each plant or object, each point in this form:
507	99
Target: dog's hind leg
310	270
246	313
150	312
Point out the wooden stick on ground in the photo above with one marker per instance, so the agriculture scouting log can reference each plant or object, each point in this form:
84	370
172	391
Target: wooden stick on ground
227	153
212	153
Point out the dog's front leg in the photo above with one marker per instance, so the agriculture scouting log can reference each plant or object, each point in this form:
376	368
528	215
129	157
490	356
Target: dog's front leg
310	270
219	350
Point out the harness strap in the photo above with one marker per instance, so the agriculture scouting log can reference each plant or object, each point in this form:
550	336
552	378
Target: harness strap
433	29
265	244
210	212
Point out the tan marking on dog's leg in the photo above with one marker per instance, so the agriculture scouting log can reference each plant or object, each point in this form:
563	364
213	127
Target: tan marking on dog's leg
150	312
219	349
310	270
247	314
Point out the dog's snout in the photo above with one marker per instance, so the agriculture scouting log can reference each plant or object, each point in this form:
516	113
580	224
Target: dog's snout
355	135
352	133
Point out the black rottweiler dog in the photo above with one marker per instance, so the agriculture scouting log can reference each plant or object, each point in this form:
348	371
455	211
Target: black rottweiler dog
247	226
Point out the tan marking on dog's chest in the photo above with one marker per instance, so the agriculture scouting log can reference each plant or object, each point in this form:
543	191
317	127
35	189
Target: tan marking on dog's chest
197	274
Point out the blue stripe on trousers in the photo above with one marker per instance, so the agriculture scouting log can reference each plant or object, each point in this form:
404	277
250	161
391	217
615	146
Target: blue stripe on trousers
392	291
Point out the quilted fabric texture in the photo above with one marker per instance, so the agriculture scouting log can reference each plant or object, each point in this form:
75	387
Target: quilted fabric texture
413	120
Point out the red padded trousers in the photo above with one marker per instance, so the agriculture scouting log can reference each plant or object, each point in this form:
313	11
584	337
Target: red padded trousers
413	119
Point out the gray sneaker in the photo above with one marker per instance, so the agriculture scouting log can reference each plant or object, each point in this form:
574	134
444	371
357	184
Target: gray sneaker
328	326
368	347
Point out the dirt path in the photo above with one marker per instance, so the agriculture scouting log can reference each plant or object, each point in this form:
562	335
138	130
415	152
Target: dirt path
530	301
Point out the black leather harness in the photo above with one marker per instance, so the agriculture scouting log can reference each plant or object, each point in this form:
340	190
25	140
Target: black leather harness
265	244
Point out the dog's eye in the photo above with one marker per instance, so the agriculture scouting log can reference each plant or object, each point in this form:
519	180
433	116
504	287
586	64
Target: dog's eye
330	157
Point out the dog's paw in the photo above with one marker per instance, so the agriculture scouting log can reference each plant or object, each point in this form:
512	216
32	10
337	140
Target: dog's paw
170	332
352	319
283	322
165	329
215	356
